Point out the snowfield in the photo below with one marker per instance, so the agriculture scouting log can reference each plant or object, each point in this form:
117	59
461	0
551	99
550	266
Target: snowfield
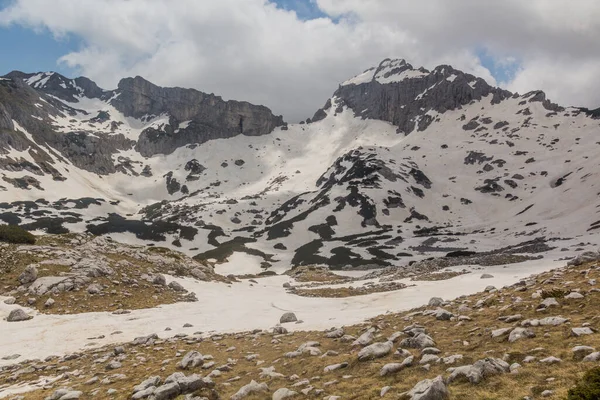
235	308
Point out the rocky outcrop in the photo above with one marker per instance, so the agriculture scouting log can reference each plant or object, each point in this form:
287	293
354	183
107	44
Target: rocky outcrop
211	117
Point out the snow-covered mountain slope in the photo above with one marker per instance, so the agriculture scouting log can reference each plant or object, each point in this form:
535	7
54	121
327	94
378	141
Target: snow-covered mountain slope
400	162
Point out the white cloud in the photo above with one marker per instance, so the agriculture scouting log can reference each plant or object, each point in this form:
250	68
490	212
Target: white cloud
251	50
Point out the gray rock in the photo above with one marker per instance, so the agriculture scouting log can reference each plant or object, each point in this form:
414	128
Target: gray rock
18	315
150	382
167	391
581	331
443	315
419	341
479	370
29	275
579	352
486	276
288	317
550	360
335	334
335	367
429	389
549	302
10	300
252	388
375	350
435	302
159	279
199	274
94	288
592	357
365	339
498	333
574	296
176	286
520	333
49	302
283	393
192	359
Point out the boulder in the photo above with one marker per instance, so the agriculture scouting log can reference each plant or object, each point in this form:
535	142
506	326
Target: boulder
429	389
375	350
18	315
252	388
288	317
479	370
283	393
520	333
435	302
29	275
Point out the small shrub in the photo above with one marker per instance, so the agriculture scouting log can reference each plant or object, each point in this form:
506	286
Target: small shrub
15	234
588	388
556	293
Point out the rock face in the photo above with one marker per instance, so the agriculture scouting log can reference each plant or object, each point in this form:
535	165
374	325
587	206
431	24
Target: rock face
211	117
398	93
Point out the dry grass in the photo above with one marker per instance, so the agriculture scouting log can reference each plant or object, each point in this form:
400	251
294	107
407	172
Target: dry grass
361	380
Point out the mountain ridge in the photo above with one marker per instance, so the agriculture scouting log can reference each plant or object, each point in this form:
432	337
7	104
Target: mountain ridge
400	164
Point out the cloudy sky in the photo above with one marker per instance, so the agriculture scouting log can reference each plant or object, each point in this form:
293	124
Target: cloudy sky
291	54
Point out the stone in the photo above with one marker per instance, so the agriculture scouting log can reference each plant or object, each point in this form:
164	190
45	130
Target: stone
574	296
192	359
429	359
592	357
49	302
429	389
581	331
435	302
18	315
549	302
520	333
29	275
335	334
479	370
283	393
550	360
375	350
579	352
443	315
498	333
10	300
419	341
113	365
159	279
365	339
486	276
288	317
176	286
94	288
252	388
335	367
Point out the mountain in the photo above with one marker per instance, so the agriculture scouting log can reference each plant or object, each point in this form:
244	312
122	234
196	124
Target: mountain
400	164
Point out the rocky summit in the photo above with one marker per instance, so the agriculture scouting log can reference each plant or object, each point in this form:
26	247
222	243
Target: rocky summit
165	243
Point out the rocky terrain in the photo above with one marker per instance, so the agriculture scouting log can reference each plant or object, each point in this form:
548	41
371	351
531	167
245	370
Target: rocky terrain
69	274
193	247
529	340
